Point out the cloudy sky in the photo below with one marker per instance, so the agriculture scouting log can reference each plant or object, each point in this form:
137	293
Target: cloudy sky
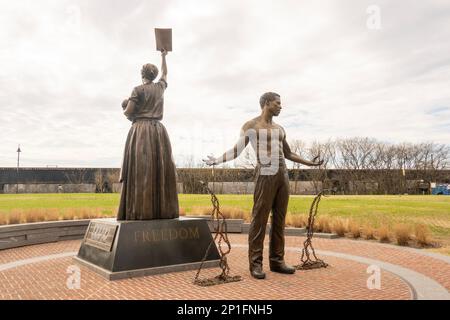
341	72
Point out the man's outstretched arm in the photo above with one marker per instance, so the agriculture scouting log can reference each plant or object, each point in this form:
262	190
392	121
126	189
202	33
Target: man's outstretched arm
231	154
288	154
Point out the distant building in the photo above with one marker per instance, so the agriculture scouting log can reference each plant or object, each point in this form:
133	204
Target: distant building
57	180
229	180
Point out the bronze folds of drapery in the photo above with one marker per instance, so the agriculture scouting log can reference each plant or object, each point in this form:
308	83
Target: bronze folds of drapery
148	172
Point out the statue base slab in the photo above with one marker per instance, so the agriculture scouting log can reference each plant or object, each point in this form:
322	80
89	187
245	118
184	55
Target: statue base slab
125	249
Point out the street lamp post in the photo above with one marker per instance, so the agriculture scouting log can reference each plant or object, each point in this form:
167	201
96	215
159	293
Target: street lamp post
17	177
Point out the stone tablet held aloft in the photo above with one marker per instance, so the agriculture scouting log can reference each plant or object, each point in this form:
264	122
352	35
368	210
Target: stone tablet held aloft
163	39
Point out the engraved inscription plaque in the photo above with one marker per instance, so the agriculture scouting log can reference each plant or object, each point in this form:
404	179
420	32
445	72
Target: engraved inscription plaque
101	235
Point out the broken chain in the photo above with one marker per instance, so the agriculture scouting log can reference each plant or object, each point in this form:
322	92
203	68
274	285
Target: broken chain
221	236
307	262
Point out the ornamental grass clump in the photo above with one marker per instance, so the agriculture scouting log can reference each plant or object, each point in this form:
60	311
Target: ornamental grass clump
402	234
422	234
383	233
339	227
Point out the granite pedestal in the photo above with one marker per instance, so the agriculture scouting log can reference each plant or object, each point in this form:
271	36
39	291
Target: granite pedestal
125	249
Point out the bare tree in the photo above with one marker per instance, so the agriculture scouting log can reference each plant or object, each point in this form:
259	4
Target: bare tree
362	165
247	159
77	176
298	147
99	180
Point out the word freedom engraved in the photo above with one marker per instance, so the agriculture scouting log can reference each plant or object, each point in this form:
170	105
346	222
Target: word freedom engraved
157	235
101	235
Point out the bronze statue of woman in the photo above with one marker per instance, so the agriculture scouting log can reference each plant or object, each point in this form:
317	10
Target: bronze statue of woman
148	173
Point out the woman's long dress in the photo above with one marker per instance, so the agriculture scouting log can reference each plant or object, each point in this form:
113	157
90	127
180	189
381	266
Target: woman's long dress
148	173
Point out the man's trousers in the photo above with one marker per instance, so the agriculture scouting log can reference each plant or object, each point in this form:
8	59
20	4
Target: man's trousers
271	194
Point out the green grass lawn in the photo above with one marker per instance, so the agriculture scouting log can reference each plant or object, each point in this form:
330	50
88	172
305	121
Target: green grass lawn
434	211
58	201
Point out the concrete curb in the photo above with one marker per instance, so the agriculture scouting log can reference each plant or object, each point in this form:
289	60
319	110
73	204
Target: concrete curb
13	236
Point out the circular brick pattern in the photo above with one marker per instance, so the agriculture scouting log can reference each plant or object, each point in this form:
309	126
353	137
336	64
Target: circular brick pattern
344	279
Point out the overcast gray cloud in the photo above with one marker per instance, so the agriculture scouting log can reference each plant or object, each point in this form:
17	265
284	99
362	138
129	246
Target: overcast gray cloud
67	65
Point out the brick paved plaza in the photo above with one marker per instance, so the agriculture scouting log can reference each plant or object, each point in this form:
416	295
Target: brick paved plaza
41	272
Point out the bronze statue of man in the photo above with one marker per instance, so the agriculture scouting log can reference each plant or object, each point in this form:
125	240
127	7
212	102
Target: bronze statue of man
148	173
268	139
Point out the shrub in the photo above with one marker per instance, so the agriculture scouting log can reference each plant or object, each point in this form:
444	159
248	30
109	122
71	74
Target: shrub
339	227
108	213
326	224
3	218
35	215
226	212
234	213
402	234
296	220
383	233
355	229
68	214
368	232
317	225
197	210
322	224
52	215
81	213
88	213
15	217
422	234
